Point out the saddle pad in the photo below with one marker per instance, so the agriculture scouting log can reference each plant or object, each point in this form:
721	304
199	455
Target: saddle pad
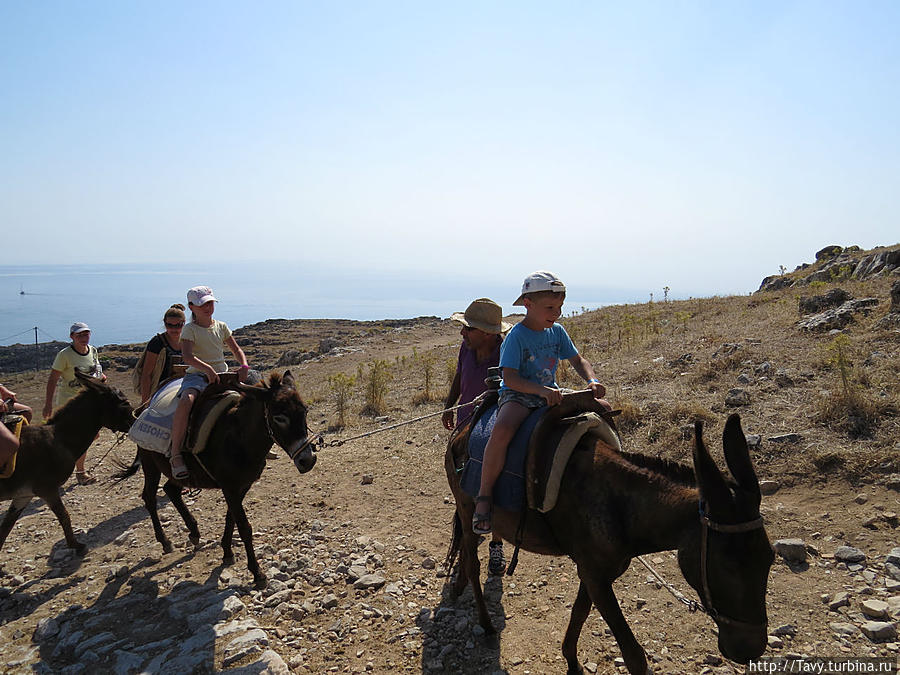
153	428
575	428
509	490
229	399
14	423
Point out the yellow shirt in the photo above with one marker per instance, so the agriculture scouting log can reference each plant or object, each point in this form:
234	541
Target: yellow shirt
208	344
66	362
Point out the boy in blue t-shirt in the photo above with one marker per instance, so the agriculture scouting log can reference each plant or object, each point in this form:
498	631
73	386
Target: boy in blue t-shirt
529	357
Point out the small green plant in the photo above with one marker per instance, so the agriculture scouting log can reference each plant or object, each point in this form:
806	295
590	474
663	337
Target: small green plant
341	387
376	381
847	409
426	362
450	370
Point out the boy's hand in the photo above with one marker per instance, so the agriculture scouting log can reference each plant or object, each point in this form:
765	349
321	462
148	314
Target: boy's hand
211	375
598	389
552	396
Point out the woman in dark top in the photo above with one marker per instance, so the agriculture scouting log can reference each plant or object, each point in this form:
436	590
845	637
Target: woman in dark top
163	351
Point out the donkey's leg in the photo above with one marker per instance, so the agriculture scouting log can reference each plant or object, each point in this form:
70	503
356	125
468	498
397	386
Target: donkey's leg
236	509
227	536
16	507
173	492
471	567
580	610
601	593
151	483
55	503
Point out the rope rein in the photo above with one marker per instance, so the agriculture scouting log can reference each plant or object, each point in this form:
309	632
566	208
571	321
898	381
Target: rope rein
120	438
340	441
692	605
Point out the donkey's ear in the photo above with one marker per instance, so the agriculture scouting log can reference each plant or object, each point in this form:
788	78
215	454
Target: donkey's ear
256	391
90	382
713	488
737	455
287	380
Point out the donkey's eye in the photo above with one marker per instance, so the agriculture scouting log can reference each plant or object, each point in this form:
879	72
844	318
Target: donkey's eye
281	420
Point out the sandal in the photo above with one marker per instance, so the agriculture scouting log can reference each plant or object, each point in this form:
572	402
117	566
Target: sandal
179	469
84	478
481	521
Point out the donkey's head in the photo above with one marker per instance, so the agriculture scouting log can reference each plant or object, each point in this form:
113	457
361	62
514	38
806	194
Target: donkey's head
730	567
115	410
285	415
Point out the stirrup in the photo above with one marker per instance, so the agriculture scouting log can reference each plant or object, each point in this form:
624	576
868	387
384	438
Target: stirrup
483	517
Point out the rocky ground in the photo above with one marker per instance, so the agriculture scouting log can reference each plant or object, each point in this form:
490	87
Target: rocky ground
354	549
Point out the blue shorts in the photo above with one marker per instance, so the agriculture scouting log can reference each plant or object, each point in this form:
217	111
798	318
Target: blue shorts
195	381
529	401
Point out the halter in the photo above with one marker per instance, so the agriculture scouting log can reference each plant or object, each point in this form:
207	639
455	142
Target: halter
735	528
310	440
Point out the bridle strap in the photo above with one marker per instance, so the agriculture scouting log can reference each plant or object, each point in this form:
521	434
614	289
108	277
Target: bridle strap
727	528
292	454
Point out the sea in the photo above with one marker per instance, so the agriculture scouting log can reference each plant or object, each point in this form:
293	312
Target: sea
124	303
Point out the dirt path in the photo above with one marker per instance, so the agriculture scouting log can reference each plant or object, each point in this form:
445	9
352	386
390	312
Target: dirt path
385	499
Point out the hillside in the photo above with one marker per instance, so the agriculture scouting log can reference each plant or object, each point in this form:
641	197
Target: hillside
820	404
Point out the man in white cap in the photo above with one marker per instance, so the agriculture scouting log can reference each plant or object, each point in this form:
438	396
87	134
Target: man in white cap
482	332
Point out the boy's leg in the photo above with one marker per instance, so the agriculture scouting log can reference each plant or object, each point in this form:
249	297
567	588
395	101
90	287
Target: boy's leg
509	419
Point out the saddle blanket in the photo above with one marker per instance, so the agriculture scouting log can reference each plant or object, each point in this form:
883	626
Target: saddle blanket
509	490
153	428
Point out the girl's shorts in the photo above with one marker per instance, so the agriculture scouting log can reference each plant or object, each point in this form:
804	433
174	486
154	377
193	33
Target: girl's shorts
195	381
530	401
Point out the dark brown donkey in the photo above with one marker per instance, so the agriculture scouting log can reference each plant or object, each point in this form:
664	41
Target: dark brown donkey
47	452
615	506
233	460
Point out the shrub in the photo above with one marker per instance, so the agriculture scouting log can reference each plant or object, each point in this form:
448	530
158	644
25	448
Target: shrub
426	362
376	381
341	387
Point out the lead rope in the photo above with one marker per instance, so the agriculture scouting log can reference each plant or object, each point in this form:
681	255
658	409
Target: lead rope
338	442
692	605
120	438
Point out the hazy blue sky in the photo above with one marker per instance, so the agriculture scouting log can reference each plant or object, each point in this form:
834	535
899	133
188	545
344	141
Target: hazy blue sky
697	145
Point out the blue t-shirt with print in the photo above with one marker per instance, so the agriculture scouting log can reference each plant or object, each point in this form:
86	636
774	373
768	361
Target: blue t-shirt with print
536	353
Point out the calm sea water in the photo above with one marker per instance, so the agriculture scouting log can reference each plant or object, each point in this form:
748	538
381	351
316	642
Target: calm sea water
125	303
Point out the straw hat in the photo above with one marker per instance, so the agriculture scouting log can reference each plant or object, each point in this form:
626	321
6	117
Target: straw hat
483	314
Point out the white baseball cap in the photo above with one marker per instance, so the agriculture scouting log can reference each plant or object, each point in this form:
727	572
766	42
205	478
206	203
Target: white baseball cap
542	280
200	295
78	327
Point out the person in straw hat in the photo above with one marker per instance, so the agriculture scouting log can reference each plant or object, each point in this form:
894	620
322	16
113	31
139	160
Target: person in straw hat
482	332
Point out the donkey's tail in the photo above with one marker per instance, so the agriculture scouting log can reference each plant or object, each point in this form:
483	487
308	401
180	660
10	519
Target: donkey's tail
455	543
127	470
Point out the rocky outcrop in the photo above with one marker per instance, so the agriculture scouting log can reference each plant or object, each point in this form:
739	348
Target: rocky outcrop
834	263
819	303
838	317
891	321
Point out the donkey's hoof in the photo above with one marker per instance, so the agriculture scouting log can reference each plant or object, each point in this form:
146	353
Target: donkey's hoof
227	560
167	547
195	540
79	548
260	582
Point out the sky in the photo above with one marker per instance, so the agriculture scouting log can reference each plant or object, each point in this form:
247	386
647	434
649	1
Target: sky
692	145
